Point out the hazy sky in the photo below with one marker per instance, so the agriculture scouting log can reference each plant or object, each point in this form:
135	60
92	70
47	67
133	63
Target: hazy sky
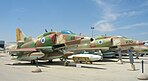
112	17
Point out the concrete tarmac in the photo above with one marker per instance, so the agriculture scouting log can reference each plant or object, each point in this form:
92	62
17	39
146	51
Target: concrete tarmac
107	70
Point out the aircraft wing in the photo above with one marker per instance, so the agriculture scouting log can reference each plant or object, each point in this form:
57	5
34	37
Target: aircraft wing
47	48
22	49
98	48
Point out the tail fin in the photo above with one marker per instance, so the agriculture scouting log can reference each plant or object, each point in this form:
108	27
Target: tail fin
20	37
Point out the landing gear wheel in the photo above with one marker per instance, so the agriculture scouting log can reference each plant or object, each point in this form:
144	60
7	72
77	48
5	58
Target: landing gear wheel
33	62
80	61
50	61
66	63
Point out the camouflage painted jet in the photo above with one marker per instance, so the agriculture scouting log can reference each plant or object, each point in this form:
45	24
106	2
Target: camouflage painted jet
120	42
47	46
111	44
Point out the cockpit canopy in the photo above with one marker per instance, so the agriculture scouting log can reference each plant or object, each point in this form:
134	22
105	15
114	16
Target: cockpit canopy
67	32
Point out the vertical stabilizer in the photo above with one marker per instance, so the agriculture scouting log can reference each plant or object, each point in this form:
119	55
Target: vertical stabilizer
20	37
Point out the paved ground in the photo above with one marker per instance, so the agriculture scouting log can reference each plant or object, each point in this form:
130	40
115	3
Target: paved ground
107	70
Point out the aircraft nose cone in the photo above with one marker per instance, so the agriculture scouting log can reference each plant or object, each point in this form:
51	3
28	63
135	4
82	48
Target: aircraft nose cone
140	43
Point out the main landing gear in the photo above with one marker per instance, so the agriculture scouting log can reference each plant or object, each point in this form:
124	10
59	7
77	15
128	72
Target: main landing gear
66	63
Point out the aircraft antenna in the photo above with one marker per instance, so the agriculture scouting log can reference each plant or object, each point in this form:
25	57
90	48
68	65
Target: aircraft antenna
46	30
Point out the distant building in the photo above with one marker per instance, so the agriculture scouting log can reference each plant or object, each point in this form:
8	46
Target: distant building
2	45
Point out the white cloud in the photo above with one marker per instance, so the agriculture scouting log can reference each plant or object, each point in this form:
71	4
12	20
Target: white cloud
109	15
129	13
134	25
144	33
104	27
107	11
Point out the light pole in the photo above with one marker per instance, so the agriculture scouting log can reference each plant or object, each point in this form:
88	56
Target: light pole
92	28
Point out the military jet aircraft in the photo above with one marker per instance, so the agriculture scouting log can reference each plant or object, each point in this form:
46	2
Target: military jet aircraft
111	44
47	46
118	42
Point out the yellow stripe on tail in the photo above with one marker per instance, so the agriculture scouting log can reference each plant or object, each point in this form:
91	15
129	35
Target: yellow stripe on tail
19	35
